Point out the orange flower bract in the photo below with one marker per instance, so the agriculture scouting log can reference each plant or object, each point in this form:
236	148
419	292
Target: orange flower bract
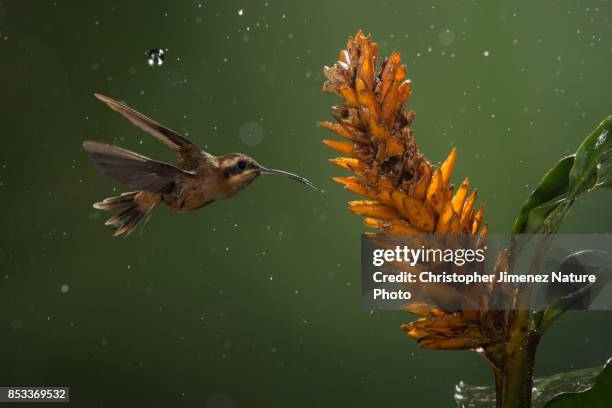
405	193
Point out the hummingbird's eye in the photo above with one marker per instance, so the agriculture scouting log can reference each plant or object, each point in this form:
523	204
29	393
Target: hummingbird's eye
242	164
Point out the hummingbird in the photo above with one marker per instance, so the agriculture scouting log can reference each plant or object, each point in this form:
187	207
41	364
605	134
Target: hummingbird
199	179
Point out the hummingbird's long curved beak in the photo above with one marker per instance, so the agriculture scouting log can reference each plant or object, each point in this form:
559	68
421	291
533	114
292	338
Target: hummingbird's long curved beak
292	176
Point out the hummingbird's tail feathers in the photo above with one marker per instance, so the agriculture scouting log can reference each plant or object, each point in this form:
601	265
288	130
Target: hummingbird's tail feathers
136	171
136	206
117	203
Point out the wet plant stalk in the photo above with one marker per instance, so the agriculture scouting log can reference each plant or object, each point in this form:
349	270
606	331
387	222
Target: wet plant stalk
514	384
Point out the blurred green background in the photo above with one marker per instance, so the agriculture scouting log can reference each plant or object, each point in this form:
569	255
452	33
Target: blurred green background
254	301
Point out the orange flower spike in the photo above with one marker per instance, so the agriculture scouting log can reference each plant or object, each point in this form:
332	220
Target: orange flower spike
340	147
372	209
448	166
459	198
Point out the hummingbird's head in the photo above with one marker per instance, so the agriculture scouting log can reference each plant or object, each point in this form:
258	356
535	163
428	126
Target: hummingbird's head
240	170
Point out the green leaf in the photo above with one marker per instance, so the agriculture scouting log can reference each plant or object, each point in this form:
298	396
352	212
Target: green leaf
589	155
598	396
544	389
569	177
549	193
604	172
584	262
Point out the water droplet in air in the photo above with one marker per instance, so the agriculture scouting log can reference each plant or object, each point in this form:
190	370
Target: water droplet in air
240	12
251	133
155	57
446	37
64	288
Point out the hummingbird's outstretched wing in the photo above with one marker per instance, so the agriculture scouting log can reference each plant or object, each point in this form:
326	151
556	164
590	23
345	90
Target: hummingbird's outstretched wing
189	155
136	171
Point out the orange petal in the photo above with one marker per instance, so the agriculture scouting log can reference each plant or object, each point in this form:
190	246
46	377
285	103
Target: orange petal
435	193
341	147
373	209
388	75
394	147
366	97
414	211
421	187
344	57
349	95
352	184
340	130
366	68
349	163
448	166
404	91
395	227
468	208
459	198
445	218
477	220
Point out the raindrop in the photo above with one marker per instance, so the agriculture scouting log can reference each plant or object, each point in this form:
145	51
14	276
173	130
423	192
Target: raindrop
64	288
446	37
240	12
155	57
251	133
